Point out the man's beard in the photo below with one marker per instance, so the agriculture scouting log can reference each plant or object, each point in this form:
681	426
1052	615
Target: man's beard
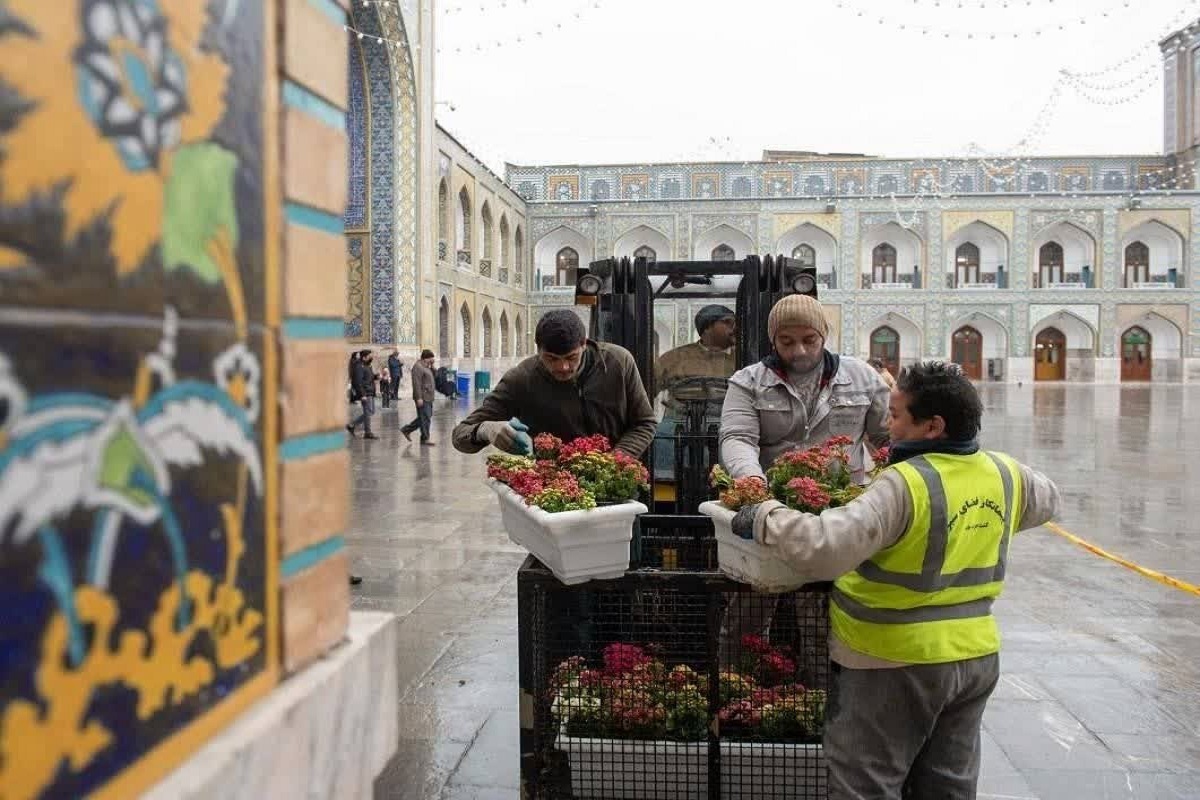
803	364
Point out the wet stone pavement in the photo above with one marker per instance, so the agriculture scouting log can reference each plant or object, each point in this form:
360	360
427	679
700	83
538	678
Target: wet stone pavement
1100	693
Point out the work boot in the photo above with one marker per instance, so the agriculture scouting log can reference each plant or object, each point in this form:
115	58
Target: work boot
370	436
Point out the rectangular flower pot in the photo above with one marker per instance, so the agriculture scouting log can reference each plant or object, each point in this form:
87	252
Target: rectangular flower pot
635	769
748	561
576	546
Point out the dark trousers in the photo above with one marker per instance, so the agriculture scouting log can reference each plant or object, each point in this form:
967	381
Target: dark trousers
907	732
385	391
423	420
368	410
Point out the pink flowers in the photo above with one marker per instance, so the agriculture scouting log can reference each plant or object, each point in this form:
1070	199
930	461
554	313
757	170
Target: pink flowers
737	493
622	658
583	445
807	494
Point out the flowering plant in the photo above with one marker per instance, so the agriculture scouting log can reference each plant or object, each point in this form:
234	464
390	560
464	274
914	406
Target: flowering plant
572	476
634	695
812	479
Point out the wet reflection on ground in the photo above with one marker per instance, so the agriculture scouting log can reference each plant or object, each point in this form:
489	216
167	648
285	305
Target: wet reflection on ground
1100	696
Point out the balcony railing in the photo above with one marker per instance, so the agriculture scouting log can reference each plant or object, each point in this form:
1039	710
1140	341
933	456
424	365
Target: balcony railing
464	257
519	278
485	267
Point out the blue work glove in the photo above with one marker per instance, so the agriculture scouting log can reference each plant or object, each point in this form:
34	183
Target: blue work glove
743	521
522	441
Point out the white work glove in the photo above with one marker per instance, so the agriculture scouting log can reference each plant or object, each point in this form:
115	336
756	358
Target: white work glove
511	437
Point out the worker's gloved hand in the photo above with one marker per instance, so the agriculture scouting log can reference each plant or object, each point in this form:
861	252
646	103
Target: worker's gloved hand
511	437
743	521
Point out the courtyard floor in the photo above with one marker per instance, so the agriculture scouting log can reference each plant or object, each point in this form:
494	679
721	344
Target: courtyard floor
1100	694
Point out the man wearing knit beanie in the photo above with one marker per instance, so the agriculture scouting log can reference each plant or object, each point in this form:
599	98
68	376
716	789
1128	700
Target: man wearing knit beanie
799	396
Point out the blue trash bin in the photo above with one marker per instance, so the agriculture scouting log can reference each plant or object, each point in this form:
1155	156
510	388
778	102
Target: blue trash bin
483	381
464	385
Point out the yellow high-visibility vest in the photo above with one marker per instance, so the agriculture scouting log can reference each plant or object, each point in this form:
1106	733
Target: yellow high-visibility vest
927	599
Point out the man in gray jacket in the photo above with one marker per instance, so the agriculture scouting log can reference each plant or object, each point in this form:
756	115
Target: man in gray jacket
422	392
799	396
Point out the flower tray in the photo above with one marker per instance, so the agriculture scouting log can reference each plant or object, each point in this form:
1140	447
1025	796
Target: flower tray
636	769
748	561
576	546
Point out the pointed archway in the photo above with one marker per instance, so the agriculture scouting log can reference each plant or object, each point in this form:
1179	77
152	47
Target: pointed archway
1136	354
966	350
1050	355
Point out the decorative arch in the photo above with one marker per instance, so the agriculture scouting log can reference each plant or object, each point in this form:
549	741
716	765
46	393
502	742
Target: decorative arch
547	249
485	326
723	252
642	236
1136	354
738	242
1166	340
1063	253
823	245
994	334
1078	347
1152	253
505	349
519	257
1080	333
518	336
911	340
566	266
908	252
977	256
443	218
505	242
464	315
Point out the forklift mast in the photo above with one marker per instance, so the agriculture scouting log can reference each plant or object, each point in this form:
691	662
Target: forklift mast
622	293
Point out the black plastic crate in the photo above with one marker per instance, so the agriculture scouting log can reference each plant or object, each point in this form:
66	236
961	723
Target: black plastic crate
628	688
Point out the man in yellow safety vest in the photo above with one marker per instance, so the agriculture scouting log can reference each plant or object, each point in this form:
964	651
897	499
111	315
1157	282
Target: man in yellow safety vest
917	561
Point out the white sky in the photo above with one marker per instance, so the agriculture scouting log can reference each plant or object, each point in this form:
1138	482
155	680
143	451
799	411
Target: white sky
640	81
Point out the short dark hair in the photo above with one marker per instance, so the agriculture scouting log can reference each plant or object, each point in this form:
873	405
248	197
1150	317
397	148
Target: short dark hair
426	353
938	389
560	332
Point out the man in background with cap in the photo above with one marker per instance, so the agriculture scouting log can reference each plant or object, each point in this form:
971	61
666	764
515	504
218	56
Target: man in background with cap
422	392
801	395
710	358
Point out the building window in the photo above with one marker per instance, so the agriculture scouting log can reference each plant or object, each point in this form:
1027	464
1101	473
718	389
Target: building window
966	350
566	267
1135	354
462	228
443	212
966	264
806	255
885	345
519	337
647	253
504	242
1050	264
1038	182
599	190
723	252
487	333
485	218
1114	181
670	189
888	184
741	187
519	256
465	316
883	264
814	185
1049	355
444	328
1137	264
505	350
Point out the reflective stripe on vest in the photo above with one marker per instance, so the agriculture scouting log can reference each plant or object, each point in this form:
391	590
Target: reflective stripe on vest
931	578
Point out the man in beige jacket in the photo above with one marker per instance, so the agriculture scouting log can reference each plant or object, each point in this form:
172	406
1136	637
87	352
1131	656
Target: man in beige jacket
422	392
917	561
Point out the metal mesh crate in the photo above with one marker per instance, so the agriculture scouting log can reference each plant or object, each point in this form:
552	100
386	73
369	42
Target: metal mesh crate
675	543
669	685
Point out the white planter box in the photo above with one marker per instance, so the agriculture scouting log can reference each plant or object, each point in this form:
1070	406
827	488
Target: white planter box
748	561
576	546
633	769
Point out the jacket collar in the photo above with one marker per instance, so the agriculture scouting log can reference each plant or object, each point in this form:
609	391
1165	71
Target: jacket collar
902	451
829	370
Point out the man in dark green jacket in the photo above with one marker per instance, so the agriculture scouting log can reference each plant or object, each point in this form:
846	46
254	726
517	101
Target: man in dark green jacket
573	387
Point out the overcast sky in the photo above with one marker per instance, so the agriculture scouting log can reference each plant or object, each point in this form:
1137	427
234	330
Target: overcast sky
638	81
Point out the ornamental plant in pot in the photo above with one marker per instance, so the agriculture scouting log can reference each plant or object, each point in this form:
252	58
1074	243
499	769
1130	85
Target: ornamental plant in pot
811	480
638	726
572	505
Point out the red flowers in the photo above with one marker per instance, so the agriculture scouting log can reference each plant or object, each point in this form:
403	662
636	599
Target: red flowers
808	494
573	476
621	658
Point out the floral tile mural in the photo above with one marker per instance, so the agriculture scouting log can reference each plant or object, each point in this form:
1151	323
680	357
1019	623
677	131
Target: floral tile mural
137	387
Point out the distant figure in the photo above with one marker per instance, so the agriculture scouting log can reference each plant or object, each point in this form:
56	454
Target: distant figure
882	369
422	392
396	369
362	387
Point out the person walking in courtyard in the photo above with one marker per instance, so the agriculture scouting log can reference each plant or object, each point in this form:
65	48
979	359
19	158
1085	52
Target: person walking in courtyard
396	369
362	385
385	387
572	387
916	561
423	394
